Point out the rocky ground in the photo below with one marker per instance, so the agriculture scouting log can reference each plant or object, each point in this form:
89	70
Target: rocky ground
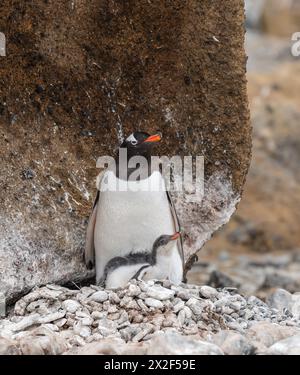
251	274
151	318
259	249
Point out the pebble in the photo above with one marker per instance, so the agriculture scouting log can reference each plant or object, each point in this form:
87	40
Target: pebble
151	302
179	306
160	293
107	327
71	306
100	296
208	292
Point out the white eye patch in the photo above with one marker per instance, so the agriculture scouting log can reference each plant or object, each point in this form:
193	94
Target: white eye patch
132	139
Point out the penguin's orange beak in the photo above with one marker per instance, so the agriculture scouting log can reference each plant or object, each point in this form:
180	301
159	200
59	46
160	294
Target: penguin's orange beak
175	236
153	138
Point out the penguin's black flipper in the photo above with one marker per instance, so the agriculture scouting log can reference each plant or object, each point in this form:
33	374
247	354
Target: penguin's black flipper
89	251
138	273
176	226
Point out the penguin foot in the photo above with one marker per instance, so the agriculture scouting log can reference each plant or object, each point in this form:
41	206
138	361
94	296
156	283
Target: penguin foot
90	265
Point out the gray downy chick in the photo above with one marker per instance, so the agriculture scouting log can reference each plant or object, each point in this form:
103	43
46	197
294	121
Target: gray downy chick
143	266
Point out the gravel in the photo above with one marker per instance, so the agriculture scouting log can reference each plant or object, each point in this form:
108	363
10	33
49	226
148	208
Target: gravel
219	321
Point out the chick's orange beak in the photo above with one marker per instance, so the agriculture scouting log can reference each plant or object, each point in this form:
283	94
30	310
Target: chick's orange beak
153	138
175	236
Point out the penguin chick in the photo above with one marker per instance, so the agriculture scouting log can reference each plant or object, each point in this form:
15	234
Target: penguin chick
144	266
120	270
161	267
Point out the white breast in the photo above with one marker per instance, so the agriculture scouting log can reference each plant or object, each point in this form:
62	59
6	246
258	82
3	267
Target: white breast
130	221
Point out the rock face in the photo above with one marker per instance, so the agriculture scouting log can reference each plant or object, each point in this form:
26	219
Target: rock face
77	77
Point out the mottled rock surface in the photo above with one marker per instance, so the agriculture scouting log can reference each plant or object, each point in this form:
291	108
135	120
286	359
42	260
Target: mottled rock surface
222	322
80	75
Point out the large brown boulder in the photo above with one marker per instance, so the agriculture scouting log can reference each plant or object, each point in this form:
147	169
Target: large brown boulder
79	75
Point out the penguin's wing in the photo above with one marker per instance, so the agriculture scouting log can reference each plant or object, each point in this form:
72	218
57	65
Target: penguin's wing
176	225
89	251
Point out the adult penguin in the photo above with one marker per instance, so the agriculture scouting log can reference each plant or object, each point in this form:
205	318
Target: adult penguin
129	220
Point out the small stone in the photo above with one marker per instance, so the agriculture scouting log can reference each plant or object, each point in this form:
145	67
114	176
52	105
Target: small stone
123	317
113	316
86	321
125	301
142	306
188	312
132	305
226	310
114	298
195	306
106	305
236	306
183	295
133	290
112	309
71	306
107	327
84	313
144	332
151	302
179	306
100	296
81	330
94	337
129	332
170	321
60	322
98	315
181	317
160	293
70	322
208	292
138	318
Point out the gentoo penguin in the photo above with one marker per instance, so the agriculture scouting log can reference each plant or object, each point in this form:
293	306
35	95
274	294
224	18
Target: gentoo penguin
124	222
143	266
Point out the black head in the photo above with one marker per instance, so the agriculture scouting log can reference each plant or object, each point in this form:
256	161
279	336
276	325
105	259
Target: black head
162	241
140	143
